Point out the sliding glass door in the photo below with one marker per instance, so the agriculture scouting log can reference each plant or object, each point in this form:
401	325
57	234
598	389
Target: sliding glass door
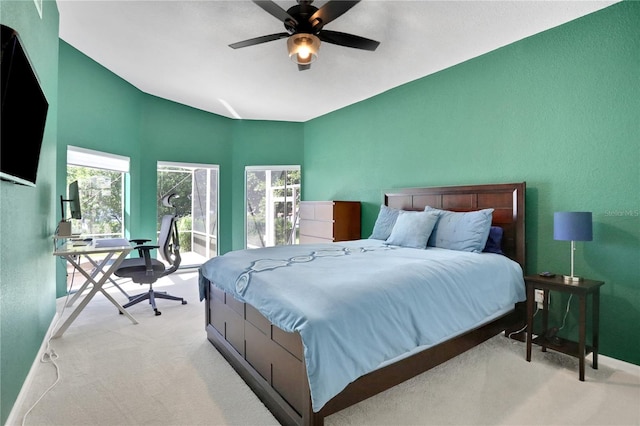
272	199
195	203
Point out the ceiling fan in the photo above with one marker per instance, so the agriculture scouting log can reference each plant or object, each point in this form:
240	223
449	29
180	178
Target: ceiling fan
305	29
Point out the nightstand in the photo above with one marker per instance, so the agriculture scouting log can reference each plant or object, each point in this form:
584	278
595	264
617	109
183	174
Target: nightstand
581	289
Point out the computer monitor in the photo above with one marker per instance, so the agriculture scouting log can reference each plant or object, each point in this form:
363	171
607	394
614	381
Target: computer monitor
74	201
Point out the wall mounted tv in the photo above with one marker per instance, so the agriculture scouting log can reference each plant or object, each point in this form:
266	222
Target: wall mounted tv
23	112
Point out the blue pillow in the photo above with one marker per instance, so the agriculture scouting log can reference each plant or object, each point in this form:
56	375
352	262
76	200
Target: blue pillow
494	240
412	229
463	231
384	223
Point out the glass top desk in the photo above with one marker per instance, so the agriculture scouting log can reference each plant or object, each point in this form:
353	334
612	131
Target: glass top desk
115	250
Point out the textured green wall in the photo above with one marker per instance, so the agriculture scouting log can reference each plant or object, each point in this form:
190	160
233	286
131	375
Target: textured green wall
558	110
28	219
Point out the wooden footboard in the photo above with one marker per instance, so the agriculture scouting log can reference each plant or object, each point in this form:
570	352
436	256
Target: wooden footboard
268	359
271	361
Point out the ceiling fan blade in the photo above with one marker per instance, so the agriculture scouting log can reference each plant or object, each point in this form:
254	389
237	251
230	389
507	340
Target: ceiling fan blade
302	67
348	40
275	10
331	10
259	40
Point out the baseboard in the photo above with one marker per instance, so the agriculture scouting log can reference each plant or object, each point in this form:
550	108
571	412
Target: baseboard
12	420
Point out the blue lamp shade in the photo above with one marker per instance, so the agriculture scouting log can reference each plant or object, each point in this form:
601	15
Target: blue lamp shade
572	226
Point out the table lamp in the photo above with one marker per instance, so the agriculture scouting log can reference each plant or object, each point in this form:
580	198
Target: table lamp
572	226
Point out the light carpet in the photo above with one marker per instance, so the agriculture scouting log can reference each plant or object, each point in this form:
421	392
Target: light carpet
163	371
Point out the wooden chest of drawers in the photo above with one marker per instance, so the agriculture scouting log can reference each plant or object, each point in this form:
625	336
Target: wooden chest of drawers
327	221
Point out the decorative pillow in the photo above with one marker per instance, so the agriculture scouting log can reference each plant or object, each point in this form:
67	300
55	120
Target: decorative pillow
412	229
384	223
494	241
463	231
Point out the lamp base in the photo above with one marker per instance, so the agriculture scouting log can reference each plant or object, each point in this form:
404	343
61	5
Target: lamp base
571	279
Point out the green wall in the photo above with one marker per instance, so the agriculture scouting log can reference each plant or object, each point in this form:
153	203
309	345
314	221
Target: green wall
27	217
558	110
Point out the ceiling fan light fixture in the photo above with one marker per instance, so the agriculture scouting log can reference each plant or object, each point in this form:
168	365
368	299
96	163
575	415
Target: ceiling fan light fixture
303	48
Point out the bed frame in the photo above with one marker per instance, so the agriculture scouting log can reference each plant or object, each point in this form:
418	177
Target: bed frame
271	361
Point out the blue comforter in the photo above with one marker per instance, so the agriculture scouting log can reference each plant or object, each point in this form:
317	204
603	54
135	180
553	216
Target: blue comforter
359	304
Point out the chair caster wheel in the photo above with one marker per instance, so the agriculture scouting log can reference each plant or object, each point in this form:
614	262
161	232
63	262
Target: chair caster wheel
184	302
158	313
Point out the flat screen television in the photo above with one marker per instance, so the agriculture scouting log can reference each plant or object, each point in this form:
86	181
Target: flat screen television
23	111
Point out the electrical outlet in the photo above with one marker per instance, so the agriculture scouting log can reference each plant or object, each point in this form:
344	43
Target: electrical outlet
539	298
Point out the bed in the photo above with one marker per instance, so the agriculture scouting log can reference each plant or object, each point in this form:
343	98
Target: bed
298	329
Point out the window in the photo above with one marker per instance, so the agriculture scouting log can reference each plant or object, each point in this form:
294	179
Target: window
272	199
100	179
196	204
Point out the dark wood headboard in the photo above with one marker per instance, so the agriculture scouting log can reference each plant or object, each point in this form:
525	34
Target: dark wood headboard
507	200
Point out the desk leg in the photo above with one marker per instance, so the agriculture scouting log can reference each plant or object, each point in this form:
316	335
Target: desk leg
83	287
582	334
106	275
595	326
76	311
530	301
94	273
98	268
97	286
120	308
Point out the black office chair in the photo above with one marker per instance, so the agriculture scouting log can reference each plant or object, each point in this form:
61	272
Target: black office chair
147	270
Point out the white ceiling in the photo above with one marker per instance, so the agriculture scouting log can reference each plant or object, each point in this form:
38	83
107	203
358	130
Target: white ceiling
178	50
